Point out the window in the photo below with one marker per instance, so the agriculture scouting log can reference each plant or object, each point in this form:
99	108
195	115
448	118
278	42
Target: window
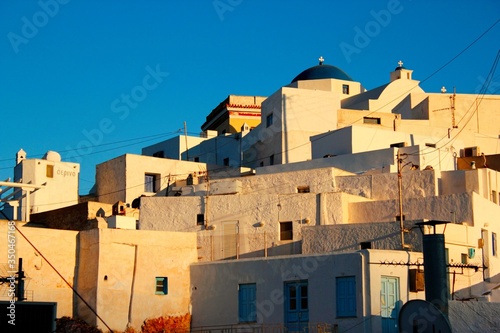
365	245
159	154
371	120
463	258
269	120
196	159
161	286
346	296
494	250
303	189
494	196
200	219
247	311
226	161
286	231
431	145
149	183
398	145
271	160
345	89
49	171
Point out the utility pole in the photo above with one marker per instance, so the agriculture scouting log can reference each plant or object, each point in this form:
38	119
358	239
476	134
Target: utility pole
186	139
400	190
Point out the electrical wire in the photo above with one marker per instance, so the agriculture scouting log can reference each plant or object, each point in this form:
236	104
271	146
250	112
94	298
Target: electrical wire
60	275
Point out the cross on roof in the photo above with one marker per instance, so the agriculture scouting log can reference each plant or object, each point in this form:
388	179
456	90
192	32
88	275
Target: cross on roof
321	60
400	63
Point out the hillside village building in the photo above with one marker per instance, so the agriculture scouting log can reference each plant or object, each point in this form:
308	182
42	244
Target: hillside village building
308	218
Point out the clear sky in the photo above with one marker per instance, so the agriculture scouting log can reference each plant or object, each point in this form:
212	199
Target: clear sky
96	79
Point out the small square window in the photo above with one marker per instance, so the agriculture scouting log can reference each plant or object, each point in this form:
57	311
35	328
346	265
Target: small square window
269	120
196	159
159	154
200	219
161	286
226	161
365	245
345	89
303	189
286	231
50	171
463	258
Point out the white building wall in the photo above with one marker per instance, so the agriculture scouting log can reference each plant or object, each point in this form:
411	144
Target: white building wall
217	283
123	178
42	283
117	270
297	115
60	186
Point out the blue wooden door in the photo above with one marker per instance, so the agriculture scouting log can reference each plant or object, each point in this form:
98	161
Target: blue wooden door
389	304
296	306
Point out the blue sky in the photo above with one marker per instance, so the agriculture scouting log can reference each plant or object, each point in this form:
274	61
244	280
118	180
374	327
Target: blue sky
96	79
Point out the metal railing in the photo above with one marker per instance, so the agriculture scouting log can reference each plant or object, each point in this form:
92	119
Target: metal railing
267	328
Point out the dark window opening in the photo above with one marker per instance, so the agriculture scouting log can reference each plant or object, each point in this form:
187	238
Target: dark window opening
286	231
269	120
365	245
371	120
271	160
345	89
303	189
160	154
200	219
398	145
226	161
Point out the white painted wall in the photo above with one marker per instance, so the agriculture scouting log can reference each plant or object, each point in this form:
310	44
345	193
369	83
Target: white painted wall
122	178
42	283
217	283
60	190
117	272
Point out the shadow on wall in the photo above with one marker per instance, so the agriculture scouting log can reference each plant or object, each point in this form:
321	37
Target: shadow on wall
488	290
290	248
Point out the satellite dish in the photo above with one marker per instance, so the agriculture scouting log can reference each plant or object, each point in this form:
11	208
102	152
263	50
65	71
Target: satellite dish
422	317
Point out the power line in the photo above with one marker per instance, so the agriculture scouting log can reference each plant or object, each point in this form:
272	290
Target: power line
60	275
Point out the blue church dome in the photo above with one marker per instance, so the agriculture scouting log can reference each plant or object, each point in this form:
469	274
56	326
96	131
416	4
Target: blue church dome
322	71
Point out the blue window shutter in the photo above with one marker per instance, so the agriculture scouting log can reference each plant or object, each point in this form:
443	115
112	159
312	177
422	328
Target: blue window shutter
346	296
247	311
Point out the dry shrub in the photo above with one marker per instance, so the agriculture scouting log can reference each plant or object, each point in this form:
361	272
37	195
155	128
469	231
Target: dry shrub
170	324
